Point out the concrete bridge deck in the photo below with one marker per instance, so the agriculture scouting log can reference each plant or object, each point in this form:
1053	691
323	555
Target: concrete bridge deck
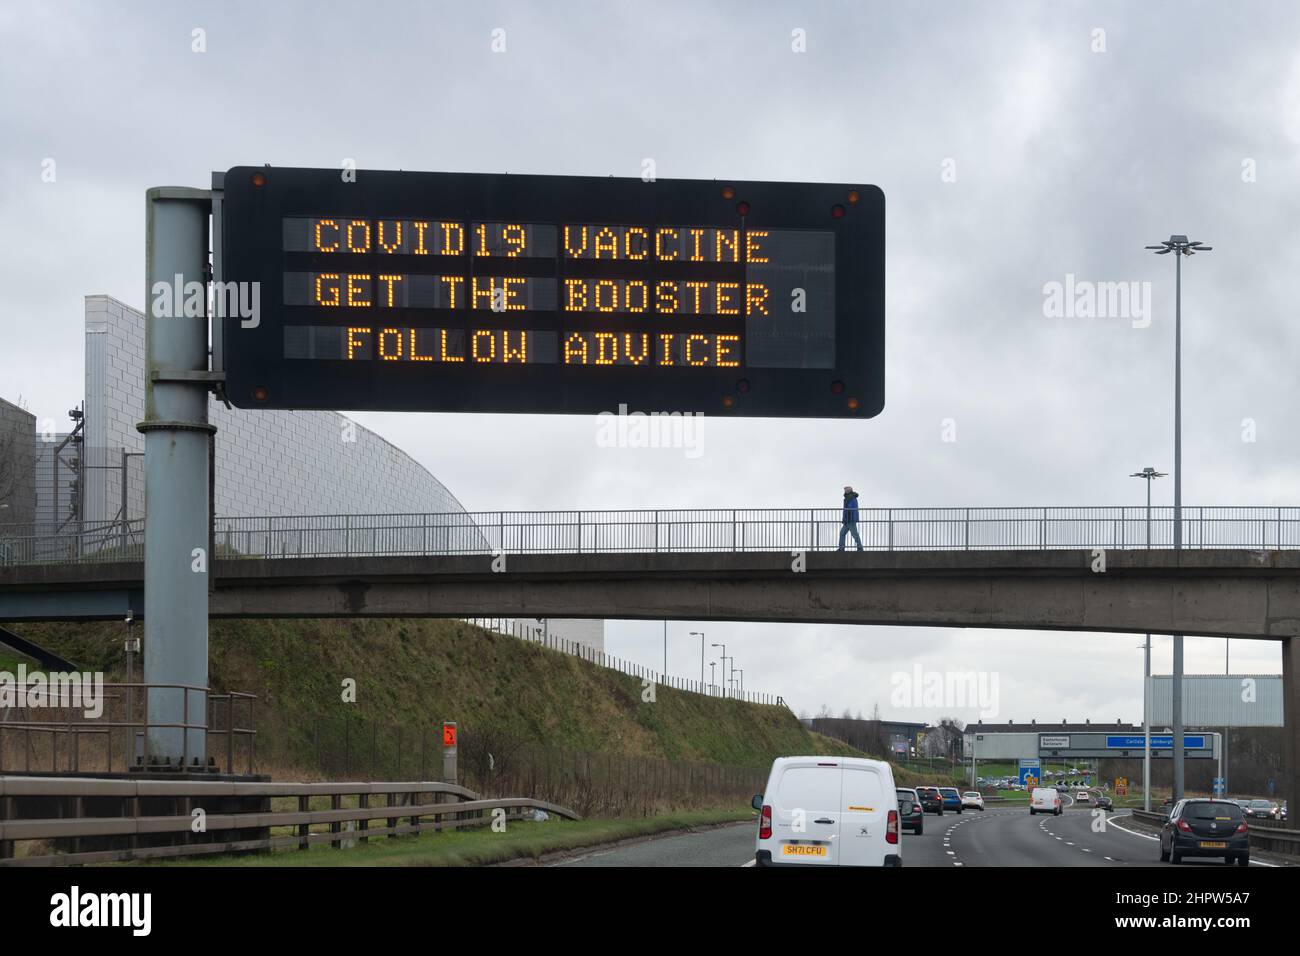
1211	592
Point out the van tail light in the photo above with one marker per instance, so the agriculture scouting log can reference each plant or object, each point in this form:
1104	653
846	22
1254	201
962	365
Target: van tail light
765	824
891	827
1182	825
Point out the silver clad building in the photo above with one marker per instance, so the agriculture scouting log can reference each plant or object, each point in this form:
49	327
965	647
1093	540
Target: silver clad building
268	465
267	462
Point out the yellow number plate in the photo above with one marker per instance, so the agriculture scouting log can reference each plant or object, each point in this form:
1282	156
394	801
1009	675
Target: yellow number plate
1213	845
802	850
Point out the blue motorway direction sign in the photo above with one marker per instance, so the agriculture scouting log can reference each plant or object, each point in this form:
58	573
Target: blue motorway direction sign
1030	769
1161	742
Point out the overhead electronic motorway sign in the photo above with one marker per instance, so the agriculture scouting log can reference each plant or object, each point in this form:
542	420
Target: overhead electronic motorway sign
552	294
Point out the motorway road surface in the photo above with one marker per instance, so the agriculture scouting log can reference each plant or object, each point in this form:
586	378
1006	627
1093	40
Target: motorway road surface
994	837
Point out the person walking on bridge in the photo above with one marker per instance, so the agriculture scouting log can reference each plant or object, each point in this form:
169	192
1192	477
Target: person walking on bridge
850	523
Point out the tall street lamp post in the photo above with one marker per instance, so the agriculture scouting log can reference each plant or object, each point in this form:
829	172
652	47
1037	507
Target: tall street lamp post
700	635
1179	246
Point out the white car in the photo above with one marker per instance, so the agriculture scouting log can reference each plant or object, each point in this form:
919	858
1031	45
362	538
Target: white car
1045	800
1082	796
972	800
828	811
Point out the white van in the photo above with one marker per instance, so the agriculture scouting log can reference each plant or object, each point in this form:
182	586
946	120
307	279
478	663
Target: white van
1045	800
828	811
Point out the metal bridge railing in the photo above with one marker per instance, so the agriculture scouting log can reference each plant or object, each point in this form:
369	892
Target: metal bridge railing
673	530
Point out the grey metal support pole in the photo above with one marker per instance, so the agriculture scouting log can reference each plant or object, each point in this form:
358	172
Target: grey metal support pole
1146	724
1148	514
1177	677
1146	689
1290	719
176	434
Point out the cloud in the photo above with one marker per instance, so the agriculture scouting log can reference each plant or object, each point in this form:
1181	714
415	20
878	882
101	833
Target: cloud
1066	161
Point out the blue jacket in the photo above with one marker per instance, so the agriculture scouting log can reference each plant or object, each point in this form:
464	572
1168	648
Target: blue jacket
851	508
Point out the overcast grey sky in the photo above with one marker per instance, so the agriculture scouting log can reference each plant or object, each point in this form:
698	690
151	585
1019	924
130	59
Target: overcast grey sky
1015	144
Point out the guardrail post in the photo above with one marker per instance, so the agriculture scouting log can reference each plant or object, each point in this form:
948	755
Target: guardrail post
579	532
889	521
336	828
304	806
6	813
230	734
966	544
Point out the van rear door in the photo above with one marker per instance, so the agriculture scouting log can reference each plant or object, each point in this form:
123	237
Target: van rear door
866	803
806	813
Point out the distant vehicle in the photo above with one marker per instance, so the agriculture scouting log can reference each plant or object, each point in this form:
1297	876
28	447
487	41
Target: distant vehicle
1265	809
970	800
951	798
819	811
910	812
1082	796
1059	788
1045	800
931	799
1199	827
1105	803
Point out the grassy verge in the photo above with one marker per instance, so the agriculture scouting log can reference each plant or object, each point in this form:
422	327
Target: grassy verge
412	674
478	846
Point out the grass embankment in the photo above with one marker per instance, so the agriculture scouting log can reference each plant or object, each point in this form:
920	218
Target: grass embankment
413	674
479	846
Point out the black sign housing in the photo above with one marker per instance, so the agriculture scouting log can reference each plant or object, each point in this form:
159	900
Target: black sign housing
458	292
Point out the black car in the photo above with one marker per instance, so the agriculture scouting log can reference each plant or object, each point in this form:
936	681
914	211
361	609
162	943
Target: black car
1205	828
1260	809
931	799
910	812
1103	802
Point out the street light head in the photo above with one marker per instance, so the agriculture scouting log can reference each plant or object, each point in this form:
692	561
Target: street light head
1180	245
